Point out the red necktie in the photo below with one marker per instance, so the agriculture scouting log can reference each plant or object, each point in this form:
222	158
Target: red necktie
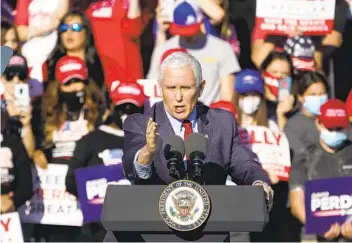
188	128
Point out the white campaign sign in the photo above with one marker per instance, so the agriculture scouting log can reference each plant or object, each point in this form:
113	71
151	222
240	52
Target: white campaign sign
271	147
151	89
315	17
51	203
10	228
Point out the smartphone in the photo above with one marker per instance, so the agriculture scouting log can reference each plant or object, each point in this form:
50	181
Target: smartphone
167	8
285	86
22	98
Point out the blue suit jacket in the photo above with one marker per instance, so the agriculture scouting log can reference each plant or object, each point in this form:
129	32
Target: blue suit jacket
226	154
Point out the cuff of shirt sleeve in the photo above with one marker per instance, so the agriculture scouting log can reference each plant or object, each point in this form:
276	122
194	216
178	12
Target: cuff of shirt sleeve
142	171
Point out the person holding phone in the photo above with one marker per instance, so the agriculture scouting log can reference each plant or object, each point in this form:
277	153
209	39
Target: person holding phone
17	102
277	72
71	108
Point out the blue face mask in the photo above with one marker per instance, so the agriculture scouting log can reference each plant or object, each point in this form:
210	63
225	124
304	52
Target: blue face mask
313	103
333	139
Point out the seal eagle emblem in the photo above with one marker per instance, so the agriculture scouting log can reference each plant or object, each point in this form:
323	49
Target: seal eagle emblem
184	205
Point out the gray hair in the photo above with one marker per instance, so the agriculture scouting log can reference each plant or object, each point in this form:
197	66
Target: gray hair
179	60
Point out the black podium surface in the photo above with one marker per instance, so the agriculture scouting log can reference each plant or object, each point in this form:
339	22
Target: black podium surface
131	212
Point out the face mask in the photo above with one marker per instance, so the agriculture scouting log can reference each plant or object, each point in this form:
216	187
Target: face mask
272	83
313	103
73	100
333	139
249	104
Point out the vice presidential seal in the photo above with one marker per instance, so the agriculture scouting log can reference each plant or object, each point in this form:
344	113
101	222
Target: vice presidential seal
184	205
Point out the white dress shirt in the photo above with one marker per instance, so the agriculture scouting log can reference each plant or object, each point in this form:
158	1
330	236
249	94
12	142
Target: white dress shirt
145	171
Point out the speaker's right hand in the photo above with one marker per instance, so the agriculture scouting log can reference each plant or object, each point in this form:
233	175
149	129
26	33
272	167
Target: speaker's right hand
151	136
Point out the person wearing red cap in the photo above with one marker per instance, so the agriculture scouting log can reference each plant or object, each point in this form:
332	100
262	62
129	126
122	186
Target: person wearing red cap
225	105
326	159
71	108
125	99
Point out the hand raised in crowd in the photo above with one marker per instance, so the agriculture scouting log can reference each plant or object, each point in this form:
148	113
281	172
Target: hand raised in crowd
7	204
39	159
285	105
333	232
346	230
26	116
12	108
151	136
162	19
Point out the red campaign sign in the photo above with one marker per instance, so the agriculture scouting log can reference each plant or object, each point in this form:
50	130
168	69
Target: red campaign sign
312	17
271	148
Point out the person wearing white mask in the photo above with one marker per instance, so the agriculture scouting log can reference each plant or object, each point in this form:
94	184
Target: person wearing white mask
300	129
250	102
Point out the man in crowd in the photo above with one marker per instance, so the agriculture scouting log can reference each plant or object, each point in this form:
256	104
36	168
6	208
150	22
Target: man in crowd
330	157
219	63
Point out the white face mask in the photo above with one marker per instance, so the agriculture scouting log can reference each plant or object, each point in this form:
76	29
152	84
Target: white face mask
249	104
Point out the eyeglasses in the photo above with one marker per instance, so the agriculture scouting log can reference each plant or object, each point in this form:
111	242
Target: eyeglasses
74	27
10	75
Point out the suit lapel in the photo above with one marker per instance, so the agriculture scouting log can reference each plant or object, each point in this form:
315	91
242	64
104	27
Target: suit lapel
202	120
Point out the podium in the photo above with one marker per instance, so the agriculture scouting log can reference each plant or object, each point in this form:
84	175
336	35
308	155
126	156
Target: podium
131	213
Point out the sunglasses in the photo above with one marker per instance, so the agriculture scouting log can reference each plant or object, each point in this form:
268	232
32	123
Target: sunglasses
73	27
75	80
10	75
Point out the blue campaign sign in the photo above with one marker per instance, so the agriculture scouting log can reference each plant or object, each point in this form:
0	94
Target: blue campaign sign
91	186
327	201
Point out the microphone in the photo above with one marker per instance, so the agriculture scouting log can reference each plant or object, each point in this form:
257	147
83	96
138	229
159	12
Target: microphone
174	152
196	146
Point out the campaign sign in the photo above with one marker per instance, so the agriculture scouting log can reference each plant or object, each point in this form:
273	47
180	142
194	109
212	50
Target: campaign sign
91	185
312	17
10	228
327	201
271	148
51	203
151	89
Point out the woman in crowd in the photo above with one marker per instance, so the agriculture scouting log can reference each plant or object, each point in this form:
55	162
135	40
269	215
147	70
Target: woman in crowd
252	111
17	105
126	99
9	36
300	129
76	40
71	109
329	157
276	70
37	21
15	170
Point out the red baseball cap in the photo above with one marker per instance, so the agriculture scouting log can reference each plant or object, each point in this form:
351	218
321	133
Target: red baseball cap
128	92
69	67
225	105
333	114
349	104
170	51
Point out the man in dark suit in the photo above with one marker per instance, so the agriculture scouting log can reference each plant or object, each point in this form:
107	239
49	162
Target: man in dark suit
180	114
